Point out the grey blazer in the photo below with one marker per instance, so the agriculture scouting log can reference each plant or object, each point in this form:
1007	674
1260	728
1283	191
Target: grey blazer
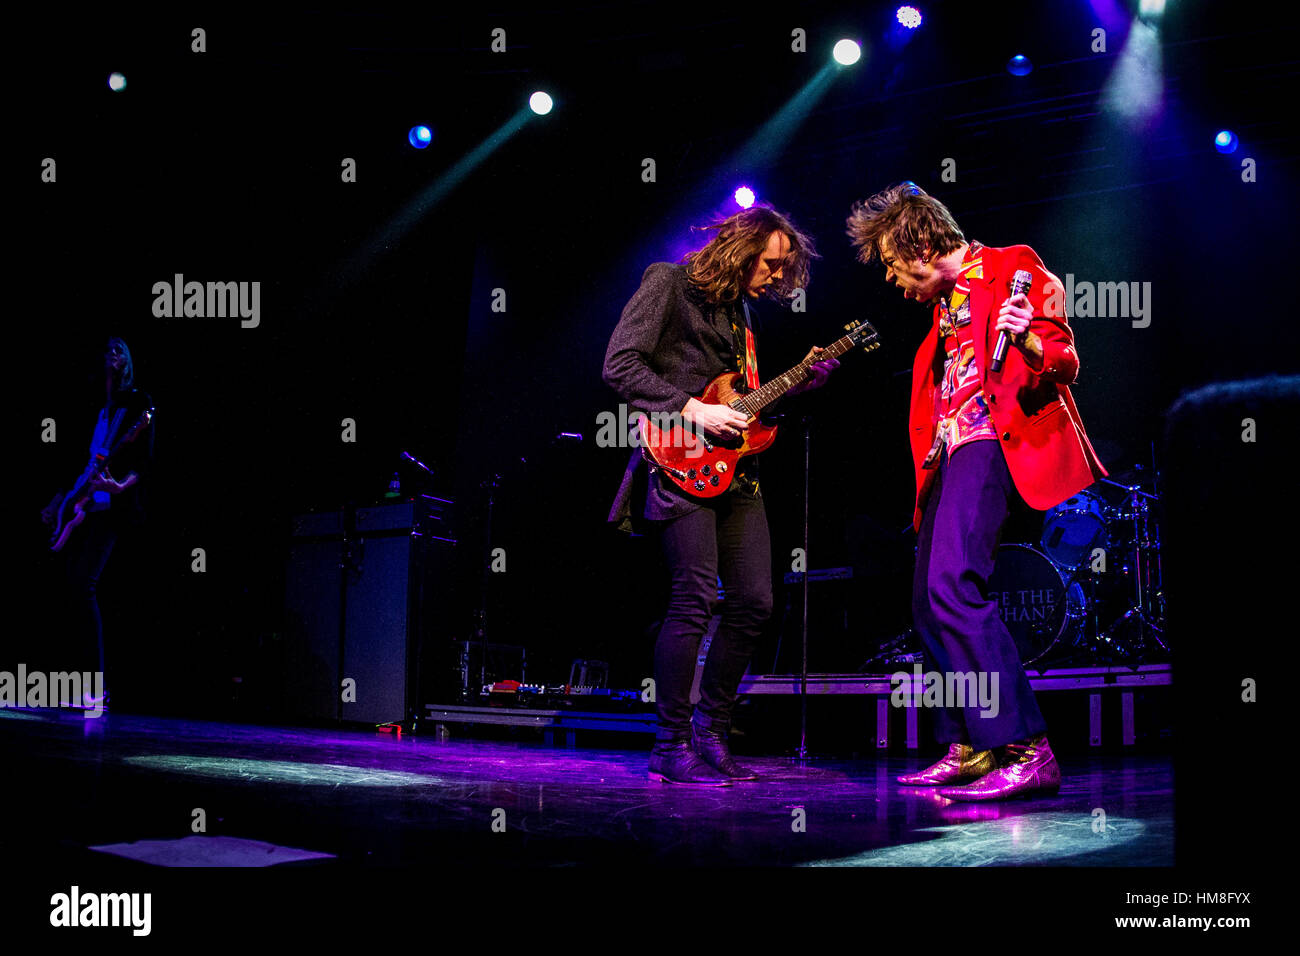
668	345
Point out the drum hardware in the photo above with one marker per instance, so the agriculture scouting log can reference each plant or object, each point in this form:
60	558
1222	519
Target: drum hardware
1145	616
1128	534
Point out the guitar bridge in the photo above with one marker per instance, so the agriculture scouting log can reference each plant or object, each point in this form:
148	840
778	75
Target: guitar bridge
680	475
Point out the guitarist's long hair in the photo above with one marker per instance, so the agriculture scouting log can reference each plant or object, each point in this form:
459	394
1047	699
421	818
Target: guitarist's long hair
720	269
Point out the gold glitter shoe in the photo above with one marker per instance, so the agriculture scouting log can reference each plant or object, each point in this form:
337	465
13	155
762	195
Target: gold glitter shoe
962	763
1027	767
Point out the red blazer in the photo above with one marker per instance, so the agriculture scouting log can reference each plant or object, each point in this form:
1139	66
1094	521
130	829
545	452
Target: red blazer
1042	436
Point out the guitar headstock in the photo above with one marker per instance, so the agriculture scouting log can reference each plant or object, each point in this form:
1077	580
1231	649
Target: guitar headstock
864	334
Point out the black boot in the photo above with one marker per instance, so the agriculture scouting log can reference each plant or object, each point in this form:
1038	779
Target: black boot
712	748
673	761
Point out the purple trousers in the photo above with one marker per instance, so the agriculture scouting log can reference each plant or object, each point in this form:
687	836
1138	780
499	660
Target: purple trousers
960	627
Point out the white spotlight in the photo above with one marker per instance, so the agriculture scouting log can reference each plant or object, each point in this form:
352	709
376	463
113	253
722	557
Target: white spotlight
846	52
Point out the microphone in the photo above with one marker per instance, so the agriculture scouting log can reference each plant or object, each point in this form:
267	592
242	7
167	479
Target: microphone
1020	282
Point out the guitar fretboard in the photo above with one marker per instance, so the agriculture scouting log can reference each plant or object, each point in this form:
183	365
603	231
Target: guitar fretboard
754	402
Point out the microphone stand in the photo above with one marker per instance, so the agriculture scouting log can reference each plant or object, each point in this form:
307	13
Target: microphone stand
491	484
802	751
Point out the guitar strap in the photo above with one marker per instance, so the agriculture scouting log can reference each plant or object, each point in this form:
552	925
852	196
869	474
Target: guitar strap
746	358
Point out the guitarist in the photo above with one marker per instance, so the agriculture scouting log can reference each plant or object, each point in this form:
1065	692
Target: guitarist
687	324
985	440
117	506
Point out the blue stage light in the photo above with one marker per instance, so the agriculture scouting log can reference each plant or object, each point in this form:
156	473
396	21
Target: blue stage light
541	103
420	136
116	82
744	197
909	17
1226	141
1019	65
847	52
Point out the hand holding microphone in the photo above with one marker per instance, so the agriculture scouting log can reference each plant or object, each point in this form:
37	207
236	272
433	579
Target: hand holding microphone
1013	318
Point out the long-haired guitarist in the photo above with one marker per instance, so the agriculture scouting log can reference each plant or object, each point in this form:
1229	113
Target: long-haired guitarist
992	423
687	325
104	503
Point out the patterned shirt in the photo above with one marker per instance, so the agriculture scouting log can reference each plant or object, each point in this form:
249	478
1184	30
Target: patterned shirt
961	413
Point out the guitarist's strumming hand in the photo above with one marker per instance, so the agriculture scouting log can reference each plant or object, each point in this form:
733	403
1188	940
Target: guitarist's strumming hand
721	421
818	372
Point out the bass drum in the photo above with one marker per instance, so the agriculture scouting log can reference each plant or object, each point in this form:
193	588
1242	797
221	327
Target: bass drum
1042	614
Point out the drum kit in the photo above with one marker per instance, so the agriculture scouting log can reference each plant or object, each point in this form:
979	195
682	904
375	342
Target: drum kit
1090	592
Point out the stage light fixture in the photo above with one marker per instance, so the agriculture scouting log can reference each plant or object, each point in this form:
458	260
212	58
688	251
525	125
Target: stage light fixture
744	197
420	136
1019	65
541	103
909	17
116	82
847	52
1226	141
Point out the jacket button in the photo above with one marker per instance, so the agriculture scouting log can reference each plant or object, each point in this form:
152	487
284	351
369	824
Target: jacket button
1006	436
993	399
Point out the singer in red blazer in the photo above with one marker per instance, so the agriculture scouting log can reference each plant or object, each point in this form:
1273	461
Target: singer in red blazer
1042	437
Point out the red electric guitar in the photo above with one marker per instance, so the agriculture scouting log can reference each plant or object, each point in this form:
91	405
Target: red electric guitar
703	466
72	509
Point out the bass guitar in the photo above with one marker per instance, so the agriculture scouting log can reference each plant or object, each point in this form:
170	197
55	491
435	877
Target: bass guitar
74	505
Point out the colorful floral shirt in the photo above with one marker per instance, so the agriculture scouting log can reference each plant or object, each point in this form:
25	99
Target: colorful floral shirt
961	413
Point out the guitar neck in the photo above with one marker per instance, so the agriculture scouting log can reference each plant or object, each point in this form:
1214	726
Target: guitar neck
105	463
754	402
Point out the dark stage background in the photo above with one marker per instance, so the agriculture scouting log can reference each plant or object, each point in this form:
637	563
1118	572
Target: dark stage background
225	166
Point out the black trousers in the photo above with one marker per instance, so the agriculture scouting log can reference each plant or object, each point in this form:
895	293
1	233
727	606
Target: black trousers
727	539
960	627
88	552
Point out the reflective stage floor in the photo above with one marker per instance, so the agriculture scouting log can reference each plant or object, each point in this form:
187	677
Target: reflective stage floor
136	789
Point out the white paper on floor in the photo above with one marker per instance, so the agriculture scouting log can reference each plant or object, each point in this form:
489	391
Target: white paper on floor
210	851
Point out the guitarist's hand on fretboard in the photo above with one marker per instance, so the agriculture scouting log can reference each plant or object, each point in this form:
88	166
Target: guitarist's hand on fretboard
818	372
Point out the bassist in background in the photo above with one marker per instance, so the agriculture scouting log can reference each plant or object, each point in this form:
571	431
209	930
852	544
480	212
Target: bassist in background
686	325
117	506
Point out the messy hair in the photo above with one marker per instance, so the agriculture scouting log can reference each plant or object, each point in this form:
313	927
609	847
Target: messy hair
720	269
914	221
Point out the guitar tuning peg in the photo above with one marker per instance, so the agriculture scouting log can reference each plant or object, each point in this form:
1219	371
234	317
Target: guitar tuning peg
850	326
